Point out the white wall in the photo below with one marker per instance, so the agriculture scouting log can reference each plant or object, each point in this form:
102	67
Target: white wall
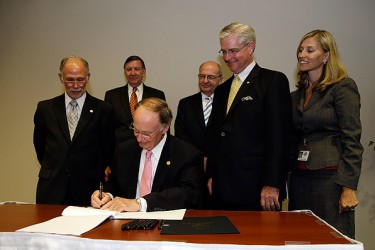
173	37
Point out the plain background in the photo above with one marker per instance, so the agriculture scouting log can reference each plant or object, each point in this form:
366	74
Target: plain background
173	37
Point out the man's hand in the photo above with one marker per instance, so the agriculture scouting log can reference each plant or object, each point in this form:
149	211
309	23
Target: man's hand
107	172
209	185
95	199
348	200
122	205
269	199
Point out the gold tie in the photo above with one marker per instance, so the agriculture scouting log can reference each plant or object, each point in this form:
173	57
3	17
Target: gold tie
133	101
233	91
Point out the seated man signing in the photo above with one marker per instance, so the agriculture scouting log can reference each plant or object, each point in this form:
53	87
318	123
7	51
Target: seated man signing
156	172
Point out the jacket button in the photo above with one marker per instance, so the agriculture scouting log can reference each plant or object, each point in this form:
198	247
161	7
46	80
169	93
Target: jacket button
222	134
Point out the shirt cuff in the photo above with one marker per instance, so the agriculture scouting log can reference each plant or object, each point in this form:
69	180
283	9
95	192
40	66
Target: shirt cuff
143	204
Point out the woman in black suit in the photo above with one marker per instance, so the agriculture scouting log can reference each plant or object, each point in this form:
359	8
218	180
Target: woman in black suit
327	132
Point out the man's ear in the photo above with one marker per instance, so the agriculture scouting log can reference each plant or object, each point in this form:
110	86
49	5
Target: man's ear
61	78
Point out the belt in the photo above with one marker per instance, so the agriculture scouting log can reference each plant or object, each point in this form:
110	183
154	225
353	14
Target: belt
302	166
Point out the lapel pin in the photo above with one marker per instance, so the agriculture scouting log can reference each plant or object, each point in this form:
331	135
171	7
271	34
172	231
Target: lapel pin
168	163
91	111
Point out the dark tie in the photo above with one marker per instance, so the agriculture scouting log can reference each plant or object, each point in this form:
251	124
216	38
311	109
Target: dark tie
72	117
133	100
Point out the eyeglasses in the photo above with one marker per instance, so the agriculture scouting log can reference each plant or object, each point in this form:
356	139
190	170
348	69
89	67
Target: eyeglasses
231	52
145	134
209	77
81	81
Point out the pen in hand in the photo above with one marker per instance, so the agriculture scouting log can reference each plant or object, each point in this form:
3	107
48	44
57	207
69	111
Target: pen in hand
101	191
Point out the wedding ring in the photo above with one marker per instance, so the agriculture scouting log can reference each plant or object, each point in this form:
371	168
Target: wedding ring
272	204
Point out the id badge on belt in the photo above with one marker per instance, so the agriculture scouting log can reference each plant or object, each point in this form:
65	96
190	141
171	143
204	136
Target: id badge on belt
304	151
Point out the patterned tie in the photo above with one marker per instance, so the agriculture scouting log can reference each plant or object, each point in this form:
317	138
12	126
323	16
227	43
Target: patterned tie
133	100
72	117
233	91
207	109
146	176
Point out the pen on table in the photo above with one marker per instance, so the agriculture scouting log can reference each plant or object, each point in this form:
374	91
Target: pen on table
101	191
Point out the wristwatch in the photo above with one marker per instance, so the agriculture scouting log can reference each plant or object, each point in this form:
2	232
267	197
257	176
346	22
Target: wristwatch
139	203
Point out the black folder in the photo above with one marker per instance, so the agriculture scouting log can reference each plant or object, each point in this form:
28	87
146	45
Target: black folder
199	225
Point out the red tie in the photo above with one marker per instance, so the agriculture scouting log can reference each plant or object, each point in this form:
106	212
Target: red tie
146	176
133	101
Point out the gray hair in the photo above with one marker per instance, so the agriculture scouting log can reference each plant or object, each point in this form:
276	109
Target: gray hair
243	31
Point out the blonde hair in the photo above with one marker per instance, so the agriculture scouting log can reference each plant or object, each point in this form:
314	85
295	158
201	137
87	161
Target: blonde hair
333	71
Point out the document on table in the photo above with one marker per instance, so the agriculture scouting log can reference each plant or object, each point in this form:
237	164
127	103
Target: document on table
79	220
158	215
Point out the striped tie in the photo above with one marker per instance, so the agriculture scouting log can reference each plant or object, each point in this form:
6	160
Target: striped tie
133	101
233	91
207	109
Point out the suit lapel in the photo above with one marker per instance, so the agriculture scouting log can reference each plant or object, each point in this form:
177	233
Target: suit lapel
60	112
251	78
164	165
133	161
88	111
198	109
125	100
314	98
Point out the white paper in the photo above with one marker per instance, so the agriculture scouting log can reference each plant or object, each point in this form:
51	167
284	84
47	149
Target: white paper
72	225
159	215
79	220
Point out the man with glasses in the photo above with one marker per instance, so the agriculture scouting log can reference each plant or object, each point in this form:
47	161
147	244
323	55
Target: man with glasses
193	113
250	129
157	171
73	139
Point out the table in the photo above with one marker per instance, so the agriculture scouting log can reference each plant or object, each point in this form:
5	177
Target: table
258	230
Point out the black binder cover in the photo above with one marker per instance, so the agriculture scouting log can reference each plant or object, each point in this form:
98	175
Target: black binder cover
199	225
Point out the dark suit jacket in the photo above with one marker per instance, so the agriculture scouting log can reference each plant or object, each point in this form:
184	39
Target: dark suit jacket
119	99
176	181
249	146
189	124
331	124
72	168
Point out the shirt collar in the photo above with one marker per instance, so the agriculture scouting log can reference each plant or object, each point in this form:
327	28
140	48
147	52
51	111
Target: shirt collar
156	151
204	96
139	88
80	100
242	75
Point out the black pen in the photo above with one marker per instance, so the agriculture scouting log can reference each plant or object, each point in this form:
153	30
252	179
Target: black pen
101	190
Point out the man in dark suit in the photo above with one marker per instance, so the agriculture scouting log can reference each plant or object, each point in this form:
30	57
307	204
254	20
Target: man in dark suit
250	129
193	114
191	123
156	172
119	98
73	139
